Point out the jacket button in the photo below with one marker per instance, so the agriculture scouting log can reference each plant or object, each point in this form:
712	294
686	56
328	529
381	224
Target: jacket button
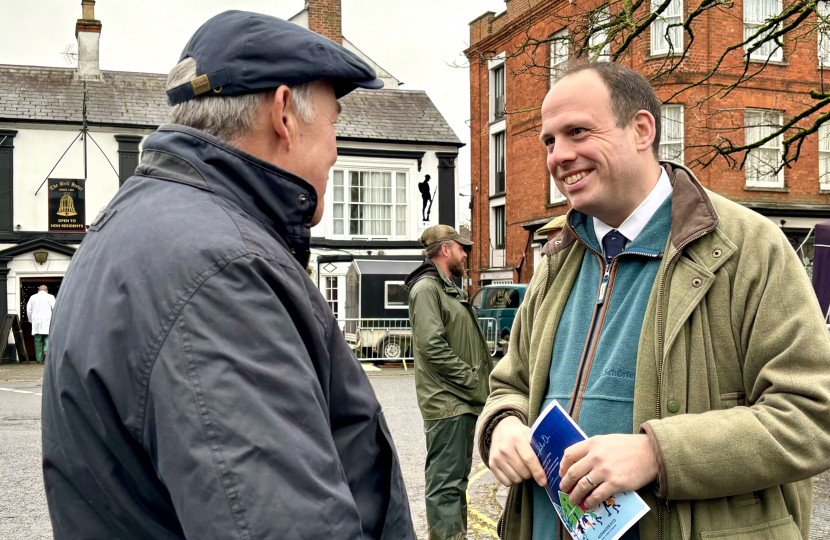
302	199
696	282
717	253
674	406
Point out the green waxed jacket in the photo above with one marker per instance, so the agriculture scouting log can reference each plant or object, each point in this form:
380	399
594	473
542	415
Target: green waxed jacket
733	375
452	363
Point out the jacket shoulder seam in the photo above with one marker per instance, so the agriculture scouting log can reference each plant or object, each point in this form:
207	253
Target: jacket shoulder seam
242	234
204	416
427	281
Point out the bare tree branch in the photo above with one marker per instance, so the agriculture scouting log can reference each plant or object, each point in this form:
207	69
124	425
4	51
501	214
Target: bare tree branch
615	27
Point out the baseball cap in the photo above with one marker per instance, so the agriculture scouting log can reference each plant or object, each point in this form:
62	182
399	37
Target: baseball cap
441	233
240	52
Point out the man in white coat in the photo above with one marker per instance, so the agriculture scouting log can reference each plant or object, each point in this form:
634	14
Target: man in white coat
39	311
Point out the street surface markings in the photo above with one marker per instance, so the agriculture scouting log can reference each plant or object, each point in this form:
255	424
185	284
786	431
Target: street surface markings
20	391
481	471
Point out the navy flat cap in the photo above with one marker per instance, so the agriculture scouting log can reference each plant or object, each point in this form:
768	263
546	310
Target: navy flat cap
239	52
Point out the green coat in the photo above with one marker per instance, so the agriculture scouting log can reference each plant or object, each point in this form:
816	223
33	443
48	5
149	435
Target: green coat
732	383
452	363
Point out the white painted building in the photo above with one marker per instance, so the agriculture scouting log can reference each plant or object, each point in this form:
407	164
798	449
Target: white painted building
42	145
388	141
393	139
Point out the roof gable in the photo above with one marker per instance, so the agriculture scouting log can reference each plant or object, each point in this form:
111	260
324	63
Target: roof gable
46	94
397	115
49	94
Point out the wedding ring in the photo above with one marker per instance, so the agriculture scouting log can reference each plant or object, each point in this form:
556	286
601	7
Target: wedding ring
588	478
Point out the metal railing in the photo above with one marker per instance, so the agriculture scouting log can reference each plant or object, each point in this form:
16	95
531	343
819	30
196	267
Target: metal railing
390	340
489	328
381	340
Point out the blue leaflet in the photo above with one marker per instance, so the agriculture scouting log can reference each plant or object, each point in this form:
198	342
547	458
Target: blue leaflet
552	433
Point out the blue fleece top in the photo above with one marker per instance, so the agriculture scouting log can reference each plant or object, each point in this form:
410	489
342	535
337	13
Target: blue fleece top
608	401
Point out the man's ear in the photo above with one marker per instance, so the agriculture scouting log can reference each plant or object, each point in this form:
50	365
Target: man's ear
283	120
644	129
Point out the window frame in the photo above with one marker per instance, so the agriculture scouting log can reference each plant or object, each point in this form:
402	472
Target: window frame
556	196
824	136
7	137
498	84
500	231
823	37
386	304
761	184
497	67
682	140
390	165
750	28
559	40
603	17
328	290
658	38
496	139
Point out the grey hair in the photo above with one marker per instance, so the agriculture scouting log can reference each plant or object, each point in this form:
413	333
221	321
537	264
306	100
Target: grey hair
230	118
433	250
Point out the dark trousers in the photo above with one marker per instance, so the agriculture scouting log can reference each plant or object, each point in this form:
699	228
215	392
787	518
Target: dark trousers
449	460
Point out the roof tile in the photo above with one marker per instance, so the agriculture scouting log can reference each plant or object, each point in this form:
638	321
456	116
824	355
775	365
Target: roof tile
139	99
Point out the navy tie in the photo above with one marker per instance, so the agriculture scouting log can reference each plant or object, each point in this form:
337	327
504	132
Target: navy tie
614	244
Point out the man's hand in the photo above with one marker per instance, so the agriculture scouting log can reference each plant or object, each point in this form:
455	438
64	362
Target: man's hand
511	457
614	463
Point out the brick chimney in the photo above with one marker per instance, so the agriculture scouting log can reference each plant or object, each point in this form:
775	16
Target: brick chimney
324	18
88	32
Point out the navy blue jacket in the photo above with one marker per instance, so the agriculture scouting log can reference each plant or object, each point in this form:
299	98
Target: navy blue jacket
197	384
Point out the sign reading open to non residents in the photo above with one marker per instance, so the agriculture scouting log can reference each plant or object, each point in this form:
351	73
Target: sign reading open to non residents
66	205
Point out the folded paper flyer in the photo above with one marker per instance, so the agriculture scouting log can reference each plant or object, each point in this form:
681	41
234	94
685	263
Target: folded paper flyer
552	433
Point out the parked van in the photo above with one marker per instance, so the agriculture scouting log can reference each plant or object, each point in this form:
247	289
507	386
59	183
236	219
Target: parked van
500	303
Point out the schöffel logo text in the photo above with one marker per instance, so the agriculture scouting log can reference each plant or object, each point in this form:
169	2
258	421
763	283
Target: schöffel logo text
618	373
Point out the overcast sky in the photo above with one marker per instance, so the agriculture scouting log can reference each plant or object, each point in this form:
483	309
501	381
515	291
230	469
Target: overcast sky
414	41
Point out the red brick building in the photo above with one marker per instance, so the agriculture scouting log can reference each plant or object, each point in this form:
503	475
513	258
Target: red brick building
513	194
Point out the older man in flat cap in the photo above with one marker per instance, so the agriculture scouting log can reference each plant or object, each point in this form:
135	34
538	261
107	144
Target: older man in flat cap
200	386
452	367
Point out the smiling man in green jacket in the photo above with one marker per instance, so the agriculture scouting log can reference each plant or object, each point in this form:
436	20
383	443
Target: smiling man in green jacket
680	331
452	366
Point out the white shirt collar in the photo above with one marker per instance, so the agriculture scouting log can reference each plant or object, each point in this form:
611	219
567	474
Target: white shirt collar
639	218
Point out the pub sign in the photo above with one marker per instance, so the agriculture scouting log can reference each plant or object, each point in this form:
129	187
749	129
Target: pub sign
66	205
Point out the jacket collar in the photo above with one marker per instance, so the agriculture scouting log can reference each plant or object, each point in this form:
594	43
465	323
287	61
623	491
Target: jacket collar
692	212
281	200
430	270
449	286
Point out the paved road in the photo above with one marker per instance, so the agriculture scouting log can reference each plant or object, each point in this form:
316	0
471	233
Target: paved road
396	392
24	516
23	513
